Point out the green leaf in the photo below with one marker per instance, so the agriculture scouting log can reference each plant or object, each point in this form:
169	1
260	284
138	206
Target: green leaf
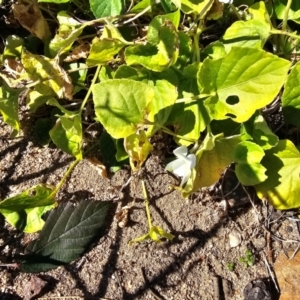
13	46
282	188
259	11
138	147
257	129
252	34
245	80
67	135
36	99
200	7
106	73
185	50
291	97
106	8
249	170
67	234
294	11
141	5
155	234
103	50
212	158
78	77
69	30
24	211
214	51
174	17
191	117
121	105
165	87
9	107
162	49
107	146
39	67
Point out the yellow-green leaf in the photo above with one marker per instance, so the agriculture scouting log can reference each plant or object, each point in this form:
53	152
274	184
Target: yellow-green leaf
243	81
282	188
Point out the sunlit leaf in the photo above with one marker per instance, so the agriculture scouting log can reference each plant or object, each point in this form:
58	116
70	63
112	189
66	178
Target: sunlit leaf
36	99
141	5
67	134
191	117
138	147
155	234
121	105
13	46
69	30
200	7
245	80
9	107
282	188
257	129
212	159
67	234
162	49
249	169
24	211
50	75
252	33
280	7
291	97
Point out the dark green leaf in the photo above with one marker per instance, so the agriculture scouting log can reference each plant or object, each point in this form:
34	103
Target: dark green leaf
106	8
67	233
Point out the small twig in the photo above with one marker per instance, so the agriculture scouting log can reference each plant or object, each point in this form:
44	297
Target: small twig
295	252
137	15
283	240
270	271
257	213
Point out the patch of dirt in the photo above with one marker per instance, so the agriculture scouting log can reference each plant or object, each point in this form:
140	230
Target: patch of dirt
195	265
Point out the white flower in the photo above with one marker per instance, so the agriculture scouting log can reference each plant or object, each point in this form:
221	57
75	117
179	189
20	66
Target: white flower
183	165
226	1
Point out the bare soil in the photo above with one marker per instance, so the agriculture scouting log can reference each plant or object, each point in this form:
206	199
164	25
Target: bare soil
195	265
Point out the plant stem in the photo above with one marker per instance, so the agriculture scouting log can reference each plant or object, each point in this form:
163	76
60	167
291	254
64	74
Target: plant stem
286	15
146	204
197	97
62	181
90	88
235	11
276	31
285	19
168	131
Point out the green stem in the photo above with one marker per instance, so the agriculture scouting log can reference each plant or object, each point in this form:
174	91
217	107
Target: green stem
193	98
286	15
276	31
90	88
62	181
235	11
196	38
285	19
168	131
146	204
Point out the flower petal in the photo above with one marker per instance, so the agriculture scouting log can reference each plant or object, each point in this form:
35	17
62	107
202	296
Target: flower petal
177	166
186	177
181	151
192	160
